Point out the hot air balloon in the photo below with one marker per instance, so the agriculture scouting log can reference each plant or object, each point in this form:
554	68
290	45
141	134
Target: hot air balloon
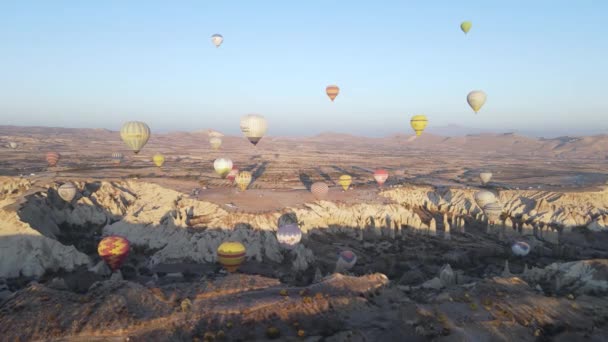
67	191
493	211
346	260
243	179
319	190
520	248
135	134
215	142
114	250
466	26
231	255
12	145
254	127
418	123
289	235
345	181
380	176
485	177
232	174
476	99
158	159
217	40
332	91
222	166
214	134
117	157
484	197
52	158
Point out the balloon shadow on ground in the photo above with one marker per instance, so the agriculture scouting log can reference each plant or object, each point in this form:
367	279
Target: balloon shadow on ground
325	176
306	181
259	171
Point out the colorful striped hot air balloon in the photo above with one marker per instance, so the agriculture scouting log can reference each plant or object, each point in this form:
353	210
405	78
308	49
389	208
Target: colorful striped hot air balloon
254	127
52	158
345	181
158	160
319	190
231	255
346	260
67	191
117	157
222	166
135	134
289	235
232	174
332	91
520	248
243	179
114	250
381	176
418	123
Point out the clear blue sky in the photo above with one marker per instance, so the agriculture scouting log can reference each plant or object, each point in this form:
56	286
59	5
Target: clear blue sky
543	64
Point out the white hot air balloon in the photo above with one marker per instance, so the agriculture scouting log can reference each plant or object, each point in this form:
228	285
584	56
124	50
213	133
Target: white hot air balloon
67	191
484	197
135	134
254	127
485	177
492	211
476	99
215	142
12	145
520	248
217	40
222	166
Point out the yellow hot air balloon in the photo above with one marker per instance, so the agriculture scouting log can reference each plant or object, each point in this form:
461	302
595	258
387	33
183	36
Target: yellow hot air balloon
158	159
254	127
332	91
231	255
222	166
215	142
135	134
418	123
243	179
466	26
345	181
476	99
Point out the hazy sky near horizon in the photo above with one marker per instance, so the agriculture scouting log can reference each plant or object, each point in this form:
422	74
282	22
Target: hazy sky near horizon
543	64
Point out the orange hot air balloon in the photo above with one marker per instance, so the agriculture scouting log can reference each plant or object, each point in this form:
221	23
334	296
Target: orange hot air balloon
380	176
319	190
332	91
52	158
114	250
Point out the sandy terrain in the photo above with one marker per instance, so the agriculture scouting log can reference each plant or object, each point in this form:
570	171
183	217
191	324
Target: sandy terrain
429	266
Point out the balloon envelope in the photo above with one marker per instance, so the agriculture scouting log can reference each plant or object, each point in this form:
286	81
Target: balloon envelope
254	127
380	176
346	260
114	251
52	158
289	235
493	211
418	123
243	179
135	134
232	174
466	26
231	255
67	191
484	197
485	177
12	145
158	160
476	99
217	39
319	190
520	248
215	142
345	181
222	166
117	157
332	91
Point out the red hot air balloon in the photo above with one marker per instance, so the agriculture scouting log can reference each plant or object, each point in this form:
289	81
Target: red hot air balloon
380	176
114	250
52	158
232	174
